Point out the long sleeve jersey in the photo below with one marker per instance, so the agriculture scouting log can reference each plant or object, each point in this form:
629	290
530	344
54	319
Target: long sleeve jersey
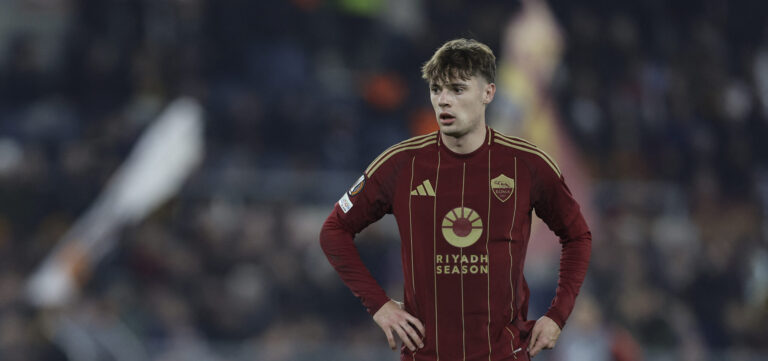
464	223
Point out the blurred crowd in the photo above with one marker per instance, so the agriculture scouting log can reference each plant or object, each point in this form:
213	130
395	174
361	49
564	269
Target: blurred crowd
668	103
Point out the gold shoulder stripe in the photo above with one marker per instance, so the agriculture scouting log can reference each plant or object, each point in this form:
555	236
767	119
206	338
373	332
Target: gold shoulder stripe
529	150
517	139
523	142
404	143
520	141
369	173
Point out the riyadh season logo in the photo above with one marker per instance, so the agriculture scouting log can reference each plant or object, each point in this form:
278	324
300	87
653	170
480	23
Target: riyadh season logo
462	227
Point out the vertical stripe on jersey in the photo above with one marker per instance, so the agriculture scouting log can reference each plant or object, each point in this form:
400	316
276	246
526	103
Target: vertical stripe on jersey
511	287
410	228
461	275
487	239
512	341
434	249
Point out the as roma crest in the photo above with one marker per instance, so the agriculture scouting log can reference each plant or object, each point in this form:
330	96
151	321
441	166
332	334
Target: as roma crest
502	187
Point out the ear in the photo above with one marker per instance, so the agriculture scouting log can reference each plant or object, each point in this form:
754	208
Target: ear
488	93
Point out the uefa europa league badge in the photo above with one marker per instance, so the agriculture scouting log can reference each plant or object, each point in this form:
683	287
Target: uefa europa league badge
502	187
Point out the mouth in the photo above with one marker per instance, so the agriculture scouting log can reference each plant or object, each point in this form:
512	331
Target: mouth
446	118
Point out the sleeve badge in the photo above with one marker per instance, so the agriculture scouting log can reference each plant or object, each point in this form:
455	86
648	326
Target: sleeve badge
357	187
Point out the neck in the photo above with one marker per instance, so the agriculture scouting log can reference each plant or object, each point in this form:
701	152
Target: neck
466	143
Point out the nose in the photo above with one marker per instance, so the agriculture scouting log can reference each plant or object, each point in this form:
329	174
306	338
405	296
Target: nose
443	98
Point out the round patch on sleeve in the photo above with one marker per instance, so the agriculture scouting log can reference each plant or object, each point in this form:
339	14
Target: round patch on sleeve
358	186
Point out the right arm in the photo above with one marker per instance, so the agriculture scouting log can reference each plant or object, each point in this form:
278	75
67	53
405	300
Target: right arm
338	244
361	206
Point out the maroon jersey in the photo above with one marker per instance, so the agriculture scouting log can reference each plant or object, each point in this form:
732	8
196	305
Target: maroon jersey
464	222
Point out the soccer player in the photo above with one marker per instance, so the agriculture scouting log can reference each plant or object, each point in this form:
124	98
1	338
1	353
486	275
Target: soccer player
463	198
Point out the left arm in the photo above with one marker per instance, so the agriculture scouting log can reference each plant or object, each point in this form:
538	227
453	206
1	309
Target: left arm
555	205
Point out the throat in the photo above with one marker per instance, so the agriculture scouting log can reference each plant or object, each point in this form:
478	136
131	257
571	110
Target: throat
466	143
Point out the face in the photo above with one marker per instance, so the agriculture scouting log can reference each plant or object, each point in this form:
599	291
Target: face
460	104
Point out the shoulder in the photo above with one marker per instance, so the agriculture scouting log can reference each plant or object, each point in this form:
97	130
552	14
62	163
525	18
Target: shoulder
399	151
532	155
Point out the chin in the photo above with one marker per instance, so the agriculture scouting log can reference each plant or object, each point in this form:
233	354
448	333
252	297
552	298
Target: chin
456	133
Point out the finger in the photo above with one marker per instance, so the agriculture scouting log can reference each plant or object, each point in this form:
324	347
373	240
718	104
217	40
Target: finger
551	344
534	337
537	347
405	338
415	321
534	343
412	334
390	338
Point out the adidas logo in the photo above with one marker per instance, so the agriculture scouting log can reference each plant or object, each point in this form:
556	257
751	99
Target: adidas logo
424	189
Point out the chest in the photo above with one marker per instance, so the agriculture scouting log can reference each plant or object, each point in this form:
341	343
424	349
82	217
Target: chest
465	199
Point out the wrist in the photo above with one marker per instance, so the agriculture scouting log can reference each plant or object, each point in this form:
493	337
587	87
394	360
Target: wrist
552	315
376	304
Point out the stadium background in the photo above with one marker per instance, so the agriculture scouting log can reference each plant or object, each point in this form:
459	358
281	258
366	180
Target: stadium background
661	109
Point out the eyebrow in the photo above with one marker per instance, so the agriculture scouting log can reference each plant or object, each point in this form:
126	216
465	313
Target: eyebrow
450	84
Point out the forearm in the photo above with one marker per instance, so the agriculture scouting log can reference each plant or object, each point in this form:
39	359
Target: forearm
338	244
574	260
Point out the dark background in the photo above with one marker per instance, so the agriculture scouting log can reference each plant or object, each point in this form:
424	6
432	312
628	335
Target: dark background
667	103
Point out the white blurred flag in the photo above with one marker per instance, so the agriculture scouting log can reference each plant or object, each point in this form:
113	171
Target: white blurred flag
163	158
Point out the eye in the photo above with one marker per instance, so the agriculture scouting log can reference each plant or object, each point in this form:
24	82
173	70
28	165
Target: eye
435	89
458	90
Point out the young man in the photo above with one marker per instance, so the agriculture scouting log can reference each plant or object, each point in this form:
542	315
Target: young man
463	199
